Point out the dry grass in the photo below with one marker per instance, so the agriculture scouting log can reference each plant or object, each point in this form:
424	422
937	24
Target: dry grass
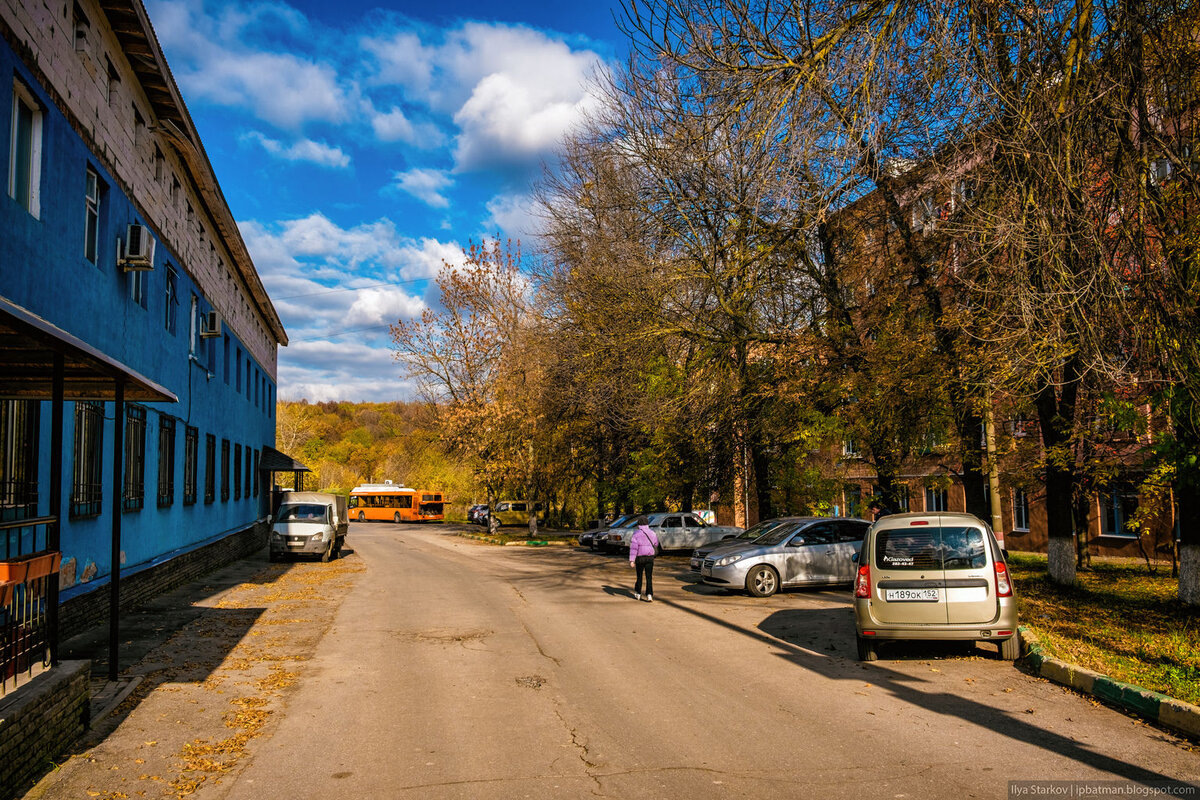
1119	620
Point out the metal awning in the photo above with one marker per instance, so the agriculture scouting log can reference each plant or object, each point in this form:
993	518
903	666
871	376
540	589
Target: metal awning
274	461
28	345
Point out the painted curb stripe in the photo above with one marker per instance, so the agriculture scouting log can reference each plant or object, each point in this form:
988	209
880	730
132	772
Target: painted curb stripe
1166	710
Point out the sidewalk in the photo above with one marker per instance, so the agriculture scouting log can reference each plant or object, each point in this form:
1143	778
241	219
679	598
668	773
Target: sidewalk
205	671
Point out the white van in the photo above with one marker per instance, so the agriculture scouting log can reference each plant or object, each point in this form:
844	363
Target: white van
309	523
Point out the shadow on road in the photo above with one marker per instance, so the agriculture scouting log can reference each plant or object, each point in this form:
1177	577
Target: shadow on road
794	632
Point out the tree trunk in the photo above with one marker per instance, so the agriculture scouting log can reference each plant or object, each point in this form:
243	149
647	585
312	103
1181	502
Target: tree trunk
1056	419
762	480
973	477
1187	493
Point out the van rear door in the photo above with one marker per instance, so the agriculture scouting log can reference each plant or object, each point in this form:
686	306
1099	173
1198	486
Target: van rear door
970	582
911	582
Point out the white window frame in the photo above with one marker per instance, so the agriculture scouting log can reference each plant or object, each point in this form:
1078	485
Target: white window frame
1020	499
91	202
22	96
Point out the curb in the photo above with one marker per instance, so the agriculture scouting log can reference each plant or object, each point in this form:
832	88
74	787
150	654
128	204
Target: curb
1167	711
483	537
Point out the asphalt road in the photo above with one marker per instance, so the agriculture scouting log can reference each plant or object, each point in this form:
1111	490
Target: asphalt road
457	669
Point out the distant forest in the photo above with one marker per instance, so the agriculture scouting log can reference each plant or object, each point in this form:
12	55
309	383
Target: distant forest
345	444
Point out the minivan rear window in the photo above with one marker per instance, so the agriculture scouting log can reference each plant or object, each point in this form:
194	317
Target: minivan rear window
930	548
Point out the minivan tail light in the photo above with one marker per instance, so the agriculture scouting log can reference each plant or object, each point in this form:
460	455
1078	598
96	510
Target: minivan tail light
919	522
862	584
1003	584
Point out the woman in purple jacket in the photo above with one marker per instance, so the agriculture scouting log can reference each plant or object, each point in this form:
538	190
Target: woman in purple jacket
643	545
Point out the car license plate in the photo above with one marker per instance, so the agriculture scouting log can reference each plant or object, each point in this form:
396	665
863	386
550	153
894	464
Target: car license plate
706	571
297	540
911	595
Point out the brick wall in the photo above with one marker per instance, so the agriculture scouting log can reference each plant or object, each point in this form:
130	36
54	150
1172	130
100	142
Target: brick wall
90	610
39	721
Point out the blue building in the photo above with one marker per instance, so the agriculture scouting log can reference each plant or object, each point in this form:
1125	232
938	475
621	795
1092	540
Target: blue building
137	343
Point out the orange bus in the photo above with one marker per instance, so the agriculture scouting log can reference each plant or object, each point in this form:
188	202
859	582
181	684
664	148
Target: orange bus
391	503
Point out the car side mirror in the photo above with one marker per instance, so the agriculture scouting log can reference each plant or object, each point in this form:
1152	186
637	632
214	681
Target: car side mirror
796	542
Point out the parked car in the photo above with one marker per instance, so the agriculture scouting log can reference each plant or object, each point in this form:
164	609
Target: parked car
748	535
588	537
804	551
516	512
933	576
622	528
309	523
478	514
676	530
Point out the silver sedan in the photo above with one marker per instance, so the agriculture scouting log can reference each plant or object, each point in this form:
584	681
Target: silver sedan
807	552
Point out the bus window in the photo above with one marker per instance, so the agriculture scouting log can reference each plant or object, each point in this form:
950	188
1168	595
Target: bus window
353	501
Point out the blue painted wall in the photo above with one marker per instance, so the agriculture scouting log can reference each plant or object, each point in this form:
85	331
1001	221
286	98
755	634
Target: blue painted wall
43	268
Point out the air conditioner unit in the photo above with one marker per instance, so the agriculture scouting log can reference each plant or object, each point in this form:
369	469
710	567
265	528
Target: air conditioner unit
138	253
210	324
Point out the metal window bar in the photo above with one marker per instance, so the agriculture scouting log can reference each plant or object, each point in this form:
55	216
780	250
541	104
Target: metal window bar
191	445
210	468
166	461
87	488
224	470
134	496
18	459
24	634
237	472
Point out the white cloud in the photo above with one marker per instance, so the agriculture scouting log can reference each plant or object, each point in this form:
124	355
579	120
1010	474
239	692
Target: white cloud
211	61
513	214
344	369
303	150
513	91
395	126
426	185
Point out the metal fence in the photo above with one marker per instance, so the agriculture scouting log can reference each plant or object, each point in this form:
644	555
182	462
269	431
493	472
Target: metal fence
24	639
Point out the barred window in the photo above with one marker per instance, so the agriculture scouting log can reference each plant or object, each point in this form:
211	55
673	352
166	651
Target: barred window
87	490
18	459
210	468
256	479
249	473
224	470
134	496
191	444
237	472
166	461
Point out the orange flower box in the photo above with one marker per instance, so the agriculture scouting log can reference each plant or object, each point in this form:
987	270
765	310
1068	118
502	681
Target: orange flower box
6	593
30	568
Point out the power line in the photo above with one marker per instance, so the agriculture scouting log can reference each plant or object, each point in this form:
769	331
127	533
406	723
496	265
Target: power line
342	333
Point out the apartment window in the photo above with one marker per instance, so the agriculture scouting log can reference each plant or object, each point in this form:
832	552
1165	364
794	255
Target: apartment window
87	490
1117	510
137	286
249	473
166	461
134	495
226	340
257	388
194	325
1020	510
854	505
210	468
901	493
256	481
850	449
237	472
248	390
238	370
224	470
82	27
191	446
114	82
18	459
936	499
25	151
160	164
171	301
91	201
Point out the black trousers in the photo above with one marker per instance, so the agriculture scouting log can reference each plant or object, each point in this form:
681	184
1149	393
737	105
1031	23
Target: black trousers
644	566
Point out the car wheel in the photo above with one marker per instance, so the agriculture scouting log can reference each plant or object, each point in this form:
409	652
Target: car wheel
327	556
762	581
1010	648
396	518
362	516
867	649
272	557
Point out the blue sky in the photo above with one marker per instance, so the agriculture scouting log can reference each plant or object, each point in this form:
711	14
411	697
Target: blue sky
359	147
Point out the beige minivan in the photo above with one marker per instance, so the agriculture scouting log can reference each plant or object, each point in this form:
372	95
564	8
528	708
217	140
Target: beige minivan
939	576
